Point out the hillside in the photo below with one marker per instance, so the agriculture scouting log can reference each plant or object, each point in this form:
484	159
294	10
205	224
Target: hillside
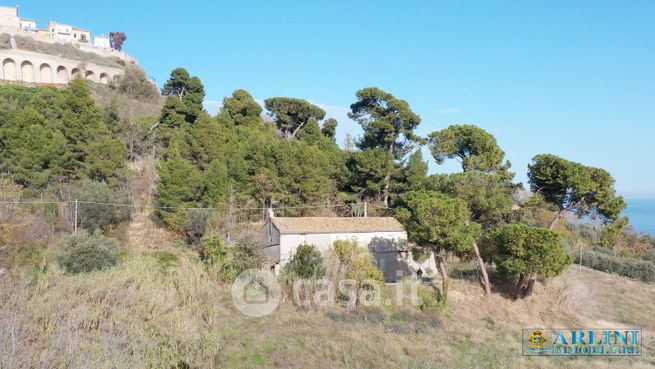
161	309
126	216
63	50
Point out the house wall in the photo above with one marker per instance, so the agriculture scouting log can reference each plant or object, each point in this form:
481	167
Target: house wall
101	42
9	16
81	35
271	241
387	248
61	32
28	25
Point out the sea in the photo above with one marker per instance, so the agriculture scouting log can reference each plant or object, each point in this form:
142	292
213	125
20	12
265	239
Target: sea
642	214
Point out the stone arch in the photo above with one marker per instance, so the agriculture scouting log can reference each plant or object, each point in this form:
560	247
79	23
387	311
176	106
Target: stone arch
45	72
27	71
104	78
62	75
9	69
91	76
75	72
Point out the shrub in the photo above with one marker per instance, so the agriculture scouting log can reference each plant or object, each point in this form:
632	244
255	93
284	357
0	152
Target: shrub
135	83
600	259
28	255
307	262
356	261
431	300
228	261
94	216
85	252
164	259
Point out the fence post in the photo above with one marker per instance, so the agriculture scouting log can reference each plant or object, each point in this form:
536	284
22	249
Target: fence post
75	228
365	209
580	269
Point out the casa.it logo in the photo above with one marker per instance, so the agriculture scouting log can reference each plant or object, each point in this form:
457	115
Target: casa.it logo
256	293
582	342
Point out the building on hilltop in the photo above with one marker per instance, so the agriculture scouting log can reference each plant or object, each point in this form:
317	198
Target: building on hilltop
81	35
9	17
102	42
27	24
45	56
56	31
60	32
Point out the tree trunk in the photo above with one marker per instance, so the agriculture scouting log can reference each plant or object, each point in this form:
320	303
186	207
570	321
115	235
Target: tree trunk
154	126
555	220
519	286
484	277
293	134
441	265
387	178
531	282
566	210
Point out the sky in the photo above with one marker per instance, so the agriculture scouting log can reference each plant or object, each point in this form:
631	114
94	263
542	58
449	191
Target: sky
571	78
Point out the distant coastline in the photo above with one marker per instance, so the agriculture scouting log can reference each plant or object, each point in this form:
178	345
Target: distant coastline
642	214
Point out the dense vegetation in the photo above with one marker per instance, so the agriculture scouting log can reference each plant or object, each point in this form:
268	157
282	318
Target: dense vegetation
217	174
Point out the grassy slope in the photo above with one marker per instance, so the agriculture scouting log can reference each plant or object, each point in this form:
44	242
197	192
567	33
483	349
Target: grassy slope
152	312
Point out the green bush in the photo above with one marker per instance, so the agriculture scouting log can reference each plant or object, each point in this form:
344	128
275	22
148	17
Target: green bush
356	261
307	262
135	83
600	259
430	300
85	252
228	260
92	215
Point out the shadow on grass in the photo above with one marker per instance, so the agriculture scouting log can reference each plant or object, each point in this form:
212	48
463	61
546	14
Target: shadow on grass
503	286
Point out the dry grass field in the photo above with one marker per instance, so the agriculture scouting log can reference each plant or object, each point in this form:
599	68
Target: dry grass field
164	310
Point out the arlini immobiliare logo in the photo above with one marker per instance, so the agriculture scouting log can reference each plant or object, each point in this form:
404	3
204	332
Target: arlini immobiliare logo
582	342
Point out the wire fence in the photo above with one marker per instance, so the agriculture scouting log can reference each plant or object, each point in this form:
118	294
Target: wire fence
74	211
142	206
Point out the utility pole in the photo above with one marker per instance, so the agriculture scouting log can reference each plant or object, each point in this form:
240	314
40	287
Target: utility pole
75	227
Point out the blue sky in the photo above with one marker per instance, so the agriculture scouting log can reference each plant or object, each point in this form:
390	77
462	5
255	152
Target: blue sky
572	78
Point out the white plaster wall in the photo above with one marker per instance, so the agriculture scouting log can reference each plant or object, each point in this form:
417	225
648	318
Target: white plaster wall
323	241
387	249
29	66
9	16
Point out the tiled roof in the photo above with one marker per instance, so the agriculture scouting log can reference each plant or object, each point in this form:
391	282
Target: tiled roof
302	225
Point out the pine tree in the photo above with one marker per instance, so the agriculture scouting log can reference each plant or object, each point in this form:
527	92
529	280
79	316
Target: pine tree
529	251
180	185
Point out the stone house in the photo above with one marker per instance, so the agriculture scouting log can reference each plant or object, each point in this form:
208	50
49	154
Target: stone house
385	238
